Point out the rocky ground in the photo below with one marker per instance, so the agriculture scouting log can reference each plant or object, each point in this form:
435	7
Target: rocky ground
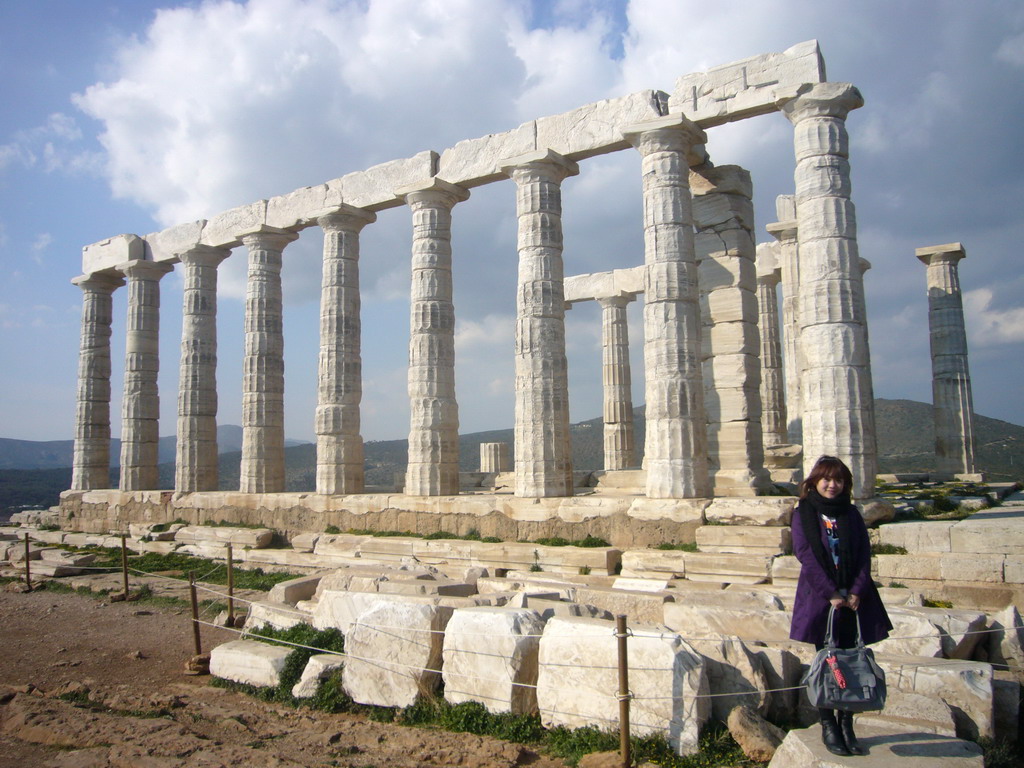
123	666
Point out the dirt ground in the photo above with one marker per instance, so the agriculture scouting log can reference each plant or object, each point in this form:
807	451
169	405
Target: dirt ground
129	659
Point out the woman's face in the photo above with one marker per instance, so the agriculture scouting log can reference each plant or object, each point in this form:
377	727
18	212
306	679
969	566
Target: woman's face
829	487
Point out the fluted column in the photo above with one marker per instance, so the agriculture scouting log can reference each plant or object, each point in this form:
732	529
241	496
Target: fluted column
339	442
494	457
619	440
676	437
773	402
952	401
723	214
836	391
433	410
140	407
91	462
543	455
262	468
196	459
785	232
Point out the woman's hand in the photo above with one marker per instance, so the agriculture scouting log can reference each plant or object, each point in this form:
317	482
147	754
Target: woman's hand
837	600
853	601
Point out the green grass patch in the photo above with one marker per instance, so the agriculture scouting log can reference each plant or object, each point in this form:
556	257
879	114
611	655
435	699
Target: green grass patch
887	549
332	529
927	603
558	541
684	547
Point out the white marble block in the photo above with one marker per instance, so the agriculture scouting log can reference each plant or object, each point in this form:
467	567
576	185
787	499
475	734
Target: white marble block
249	661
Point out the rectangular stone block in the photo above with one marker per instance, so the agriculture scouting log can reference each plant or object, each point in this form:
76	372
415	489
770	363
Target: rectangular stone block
473	162
225	229
765	510
744	539
257	538
998	536
596	129
165	245
708	620
900	567
297	209
976	567
249	661
638	562
293	590
109	253
374	188
640	607
734	569
918	537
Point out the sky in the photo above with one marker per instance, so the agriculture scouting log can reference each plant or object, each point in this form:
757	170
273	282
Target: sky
129	116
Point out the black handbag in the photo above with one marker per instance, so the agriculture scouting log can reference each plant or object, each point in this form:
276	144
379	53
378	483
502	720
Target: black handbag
845	678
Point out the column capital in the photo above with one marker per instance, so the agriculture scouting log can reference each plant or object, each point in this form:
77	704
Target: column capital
204	255
950	253
433	190
769	271
144	270
822	100
865	265
268	237
674	133
98	282
547	162
619	300
346	218
782	230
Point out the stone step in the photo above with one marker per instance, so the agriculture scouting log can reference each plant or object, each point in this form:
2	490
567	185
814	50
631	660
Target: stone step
887	746
256	538
761	510
744	539
733	569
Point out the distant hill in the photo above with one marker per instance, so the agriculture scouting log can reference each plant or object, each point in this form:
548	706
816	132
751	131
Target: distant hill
905	443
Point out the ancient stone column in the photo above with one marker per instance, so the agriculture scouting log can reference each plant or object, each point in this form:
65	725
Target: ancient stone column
339	442
196	453
91	462
494	457
773	399
543	455
952	402
433	410
262	468
836	392
723	215
140	406
785	232
676	438
619	441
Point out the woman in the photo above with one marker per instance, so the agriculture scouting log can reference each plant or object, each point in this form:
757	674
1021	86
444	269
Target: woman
831	542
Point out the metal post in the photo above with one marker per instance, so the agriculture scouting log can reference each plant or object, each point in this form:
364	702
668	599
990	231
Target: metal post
624	748
124	564
231	588
28	575
195	611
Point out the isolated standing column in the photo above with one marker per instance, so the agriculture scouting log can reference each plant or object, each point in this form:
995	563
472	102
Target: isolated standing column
196	464
785	232
773	402
262	467
675	454
140	407
543	455
339	443
433	409
91	463
952	402
836	392
619	439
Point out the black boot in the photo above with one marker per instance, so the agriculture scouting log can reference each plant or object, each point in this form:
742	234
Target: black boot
830	735
849	737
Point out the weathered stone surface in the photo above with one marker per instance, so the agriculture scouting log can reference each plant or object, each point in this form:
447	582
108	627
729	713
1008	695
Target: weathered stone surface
109	253
249	661
596	128
756	736
256	538
758	511
394	653
744	539
918	537
885	747
735	569
876	511
293	590
699	621
577	681
1006	644
490	656
1006	705
992	535
319	667
735	676
640	562
641	585
912	711
275	614
640	607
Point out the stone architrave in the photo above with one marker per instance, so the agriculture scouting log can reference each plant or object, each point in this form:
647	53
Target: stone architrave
836	391
140	407
196	453
773	395
339	443
494	457
723	214
785	233
262	467
433	468
543	456
91	463
619	440
675	454
952	401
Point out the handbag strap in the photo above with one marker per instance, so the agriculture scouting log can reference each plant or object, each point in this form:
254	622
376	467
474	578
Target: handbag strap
830	639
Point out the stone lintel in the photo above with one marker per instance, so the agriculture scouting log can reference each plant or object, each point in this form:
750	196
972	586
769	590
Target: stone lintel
223	230
106	255
510	164
953	251
168	244
782	230
374	188
433	184
748	87
626	283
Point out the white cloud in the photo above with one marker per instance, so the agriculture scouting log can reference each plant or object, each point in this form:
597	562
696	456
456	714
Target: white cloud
57	140
989	326
488	331
1011	50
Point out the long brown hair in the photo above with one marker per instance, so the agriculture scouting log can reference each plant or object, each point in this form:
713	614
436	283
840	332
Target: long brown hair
828	467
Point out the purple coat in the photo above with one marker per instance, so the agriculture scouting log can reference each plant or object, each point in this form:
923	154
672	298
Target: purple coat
815	587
